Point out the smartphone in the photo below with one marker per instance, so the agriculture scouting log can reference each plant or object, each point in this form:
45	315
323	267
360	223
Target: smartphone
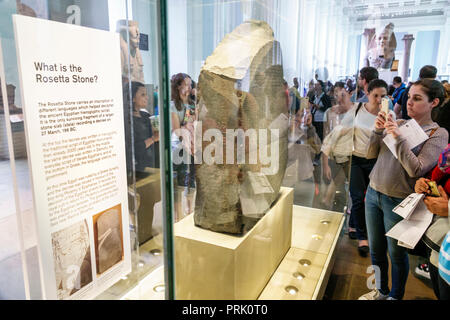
433	188
304	103
385	106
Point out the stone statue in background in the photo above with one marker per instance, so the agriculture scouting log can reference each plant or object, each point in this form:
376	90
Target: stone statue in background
380	47
10	91
24	10
131	58
241	88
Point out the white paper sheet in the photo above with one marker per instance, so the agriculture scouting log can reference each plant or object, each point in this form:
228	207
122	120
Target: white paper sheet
260	183
408	232
407	206
413	133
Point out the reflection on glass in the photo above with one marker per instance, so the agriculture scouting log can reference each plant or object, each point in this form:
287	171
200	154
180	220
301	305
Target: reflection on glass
242	119
183	116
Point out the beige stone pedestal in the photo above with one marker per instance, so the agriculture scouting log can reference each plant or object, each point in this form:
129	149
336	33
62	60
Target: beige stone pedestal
304	272
211	265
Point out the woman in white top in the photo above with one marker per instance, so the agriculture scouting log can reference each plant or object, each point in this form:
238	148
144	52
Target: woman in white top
366	114
336	166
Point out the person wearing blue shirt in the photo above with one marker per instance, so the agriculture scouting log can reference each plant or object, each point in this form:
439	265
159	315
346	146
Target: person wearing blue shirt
155	101
366	75
444	267
399	88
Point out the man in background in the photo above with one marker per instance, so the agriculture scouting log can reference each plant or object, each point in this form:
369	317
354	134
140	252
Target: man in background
426	72
396	95
366	75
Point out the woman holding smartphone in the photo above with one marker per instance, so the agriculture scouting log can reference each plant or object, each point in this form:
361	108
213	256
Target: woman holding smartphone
392	179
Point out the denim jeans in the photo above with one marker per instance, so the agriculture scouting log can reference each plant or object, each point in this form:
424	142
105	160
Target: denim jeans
359	181
380	219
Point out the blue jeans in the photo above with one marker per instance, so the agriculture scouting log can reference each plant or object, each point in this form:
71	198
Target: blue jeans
380	219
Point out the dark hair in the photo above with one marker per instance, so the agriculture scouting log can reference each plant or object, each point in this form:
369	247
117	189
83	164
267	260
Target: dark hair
175	82
127	98
391	90
134	89
428	72
432	88
322	85
368	73
397	79
339	84
377	83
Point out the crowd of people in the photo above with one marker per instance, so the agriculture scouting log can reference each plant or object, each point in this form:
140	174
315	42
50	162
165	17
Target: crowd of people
351	125
336	149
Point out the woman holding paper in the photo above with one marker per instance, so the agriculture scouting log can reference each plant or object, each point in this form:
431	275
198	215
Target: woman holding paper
393	178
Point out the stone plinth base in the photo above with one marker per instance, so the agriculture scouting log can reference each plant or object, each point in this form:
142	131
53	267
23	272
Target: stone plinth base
215	266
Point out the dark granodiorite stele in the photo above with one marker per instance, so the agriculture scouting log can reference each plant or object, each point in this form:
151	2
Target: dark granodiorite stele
241	87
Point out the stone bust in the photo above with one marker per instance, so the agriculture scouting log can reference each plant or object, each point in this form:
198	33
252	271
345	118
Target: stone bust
381	48
131	54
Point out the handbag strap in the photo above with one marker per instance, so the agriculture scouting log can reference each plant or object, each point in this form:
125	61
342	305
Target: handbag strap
432	132
357	108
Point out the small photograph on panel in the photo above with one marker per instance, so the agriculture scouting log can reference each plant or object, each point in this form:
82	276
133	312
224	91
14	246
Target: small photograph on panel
72	259
108	238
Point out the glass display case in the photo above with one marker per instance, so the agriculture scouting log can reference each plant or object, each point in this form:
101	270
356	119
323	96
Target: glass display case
81	177
206	88
186	149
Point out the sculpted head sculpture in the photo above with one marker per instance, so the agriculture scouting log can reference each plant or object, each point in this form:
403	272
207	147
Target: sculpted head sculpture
133	32
381	48
130	55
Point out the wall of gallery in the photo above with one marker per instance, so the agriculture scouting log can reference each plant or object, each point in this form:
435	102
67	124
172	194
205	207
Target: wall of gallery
316	36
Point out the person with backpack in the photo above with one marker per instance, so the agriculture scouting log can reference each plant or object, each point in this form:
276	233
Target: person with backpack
361	165
399	88
321	103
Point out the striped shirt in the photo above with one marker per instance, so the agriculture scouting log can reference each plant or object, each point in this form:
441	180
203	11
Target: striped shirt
444	256
444	259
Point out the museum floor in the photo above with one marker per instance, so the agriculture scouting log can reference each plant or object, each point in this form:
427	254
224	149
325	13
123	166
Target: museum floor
347	280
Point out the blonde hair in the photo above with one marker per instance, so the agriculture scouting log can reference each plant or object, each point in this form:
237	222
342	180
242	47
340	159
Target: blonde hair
447	92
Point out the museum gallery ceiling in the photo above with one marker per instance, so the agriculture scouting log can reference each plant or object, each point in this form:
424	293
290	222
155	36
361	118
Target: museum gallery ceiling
362	10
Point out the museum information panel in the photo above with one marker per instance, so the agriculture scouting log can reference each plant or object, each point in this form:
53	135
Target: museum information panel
72	94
